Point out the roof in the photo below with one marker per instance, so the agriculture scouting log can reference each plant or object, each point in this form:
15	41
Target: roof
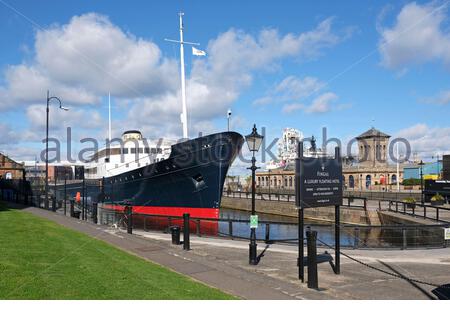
6	158
132	131
373	133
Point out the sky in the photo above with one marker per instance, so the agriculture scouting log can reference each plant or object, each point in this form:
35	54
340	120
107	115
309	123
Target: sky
345	66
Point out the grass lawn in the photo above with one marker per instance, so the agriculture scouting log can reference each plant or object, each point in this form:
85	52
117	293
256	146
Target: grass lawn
40	259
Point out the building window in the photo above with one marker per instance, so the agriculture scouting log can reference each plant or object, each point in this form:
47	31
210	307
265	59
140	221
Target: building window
125	151
290	181
368	181
394	178
351	181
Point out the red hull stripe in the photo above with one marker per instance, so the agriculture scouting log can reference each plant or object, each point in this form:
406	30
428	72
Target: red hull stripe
170	211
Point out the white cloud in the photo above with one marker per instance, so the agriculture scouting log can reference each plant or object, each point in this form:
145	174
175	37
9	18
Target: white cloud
87	58
216	82
417	36
291	107
441	99
294	92
321	104
427	141
7	134
83	60
291	88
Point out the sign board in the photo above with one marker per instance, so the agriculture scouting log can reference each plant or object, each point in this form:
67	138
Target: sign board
253	221
447	234
318	182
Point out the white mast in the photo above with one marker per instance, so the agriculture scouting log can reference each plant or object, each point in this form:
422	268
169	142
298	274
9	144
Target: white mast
109	116
183	81
183	115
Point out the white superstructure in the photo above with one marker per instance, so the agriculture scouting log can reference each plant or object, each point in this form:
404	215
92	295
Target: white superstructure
131	153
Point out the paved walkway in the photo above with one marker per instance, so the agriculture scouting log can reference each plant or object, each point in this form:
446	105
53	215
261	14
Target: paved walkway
223	264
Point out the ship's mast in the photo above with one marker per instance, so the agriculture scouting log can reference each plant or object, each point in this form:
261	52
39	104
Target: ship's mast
183	115
183	81
109	117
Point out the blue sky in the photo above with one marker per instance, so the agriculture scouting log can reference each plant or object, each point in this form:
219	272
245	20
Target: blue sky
303	64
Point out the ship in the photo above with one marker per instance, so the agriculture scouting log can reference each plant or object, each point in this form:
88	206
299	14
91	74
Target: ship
164	177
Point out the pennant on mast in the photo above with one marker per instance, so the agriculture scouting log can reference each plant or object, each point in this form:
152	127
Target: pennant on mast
198	52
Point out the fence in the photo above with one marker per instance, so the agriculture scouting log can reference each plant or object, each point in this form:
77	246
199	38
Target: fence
353	236
384	195
424	211
347	201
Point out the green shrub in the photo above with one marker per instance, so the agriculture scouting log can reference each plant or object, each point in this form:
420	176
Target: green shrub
411	182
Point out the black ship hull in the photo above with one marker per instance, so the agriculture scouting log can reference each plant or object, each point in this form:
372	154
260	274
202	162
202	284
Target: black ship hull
189	181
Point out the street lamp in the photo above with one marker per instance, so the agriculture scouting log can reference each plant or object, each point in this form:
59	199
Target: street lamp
254	141
421	163
228	118
46	144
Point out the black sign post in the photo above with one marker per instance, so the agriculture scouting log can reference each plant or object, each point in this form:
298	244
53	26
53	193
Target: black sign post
318	183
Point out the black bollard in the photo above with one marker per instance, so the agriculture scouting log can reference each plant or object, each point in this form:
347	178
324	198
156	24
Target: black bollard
129	213
175	230
267	238
94	212
186	232
72	208
311	238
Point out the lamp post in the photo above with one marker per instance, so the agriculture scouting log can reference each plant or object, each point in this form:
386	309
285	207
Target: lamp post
228	118
254	142
46	144
421	181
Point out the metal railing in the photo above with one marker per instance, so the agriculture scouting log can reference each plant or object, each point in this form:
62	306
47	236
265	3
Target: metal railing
353	236
416	210
347	201
408	236
383	195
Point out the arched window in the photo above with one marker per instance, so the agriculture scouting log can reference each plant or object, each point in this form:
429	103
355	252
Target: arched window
259	181
290	181
351	181
394	178
368	181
